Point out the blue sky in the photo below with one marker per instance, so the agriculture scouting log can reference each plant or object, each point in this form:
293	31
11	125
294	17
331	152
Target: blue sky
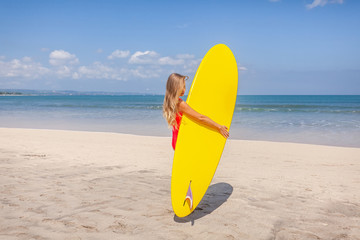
281	47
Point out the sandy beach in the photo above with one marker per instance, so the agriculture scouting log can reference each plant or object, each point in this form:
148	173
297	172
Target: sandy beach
59	184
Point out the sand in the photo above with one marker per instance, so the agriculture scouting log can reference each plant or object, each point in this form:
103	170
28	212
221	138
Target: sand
58	184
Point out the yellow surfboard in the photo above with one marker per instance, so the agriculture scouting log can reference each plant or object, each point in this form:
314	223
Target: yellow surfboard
198	149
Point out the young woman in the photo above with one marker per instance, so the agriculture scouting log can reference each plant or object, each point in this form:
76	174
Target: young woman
174	108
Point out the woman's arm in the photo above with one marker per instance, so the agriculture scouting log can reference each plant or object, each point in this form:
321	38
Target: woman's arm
191	113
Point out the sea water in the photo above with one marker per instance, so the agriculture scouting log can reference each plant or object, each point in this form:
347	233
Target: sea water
327	120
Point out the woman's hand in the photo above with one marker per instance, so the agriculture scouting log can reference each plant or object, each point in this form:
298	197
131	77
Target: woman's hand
224	131
191	113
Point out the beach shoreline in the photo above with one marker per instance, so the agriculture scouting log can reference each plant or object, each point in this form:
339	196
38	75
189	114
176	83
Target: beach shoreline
325	120
58	184
160	130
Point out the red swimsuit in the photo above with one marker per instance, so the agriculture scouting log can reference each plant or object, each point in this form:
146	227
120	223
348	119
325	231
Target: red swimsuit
175	130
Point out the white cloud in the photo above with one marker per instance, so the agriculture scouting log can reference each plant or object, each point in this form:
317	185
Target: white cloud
242	68
185	56
186	63
191	65
99	50
119	54
99	70
63	71
170	61
141	65
75	75
322	3
45	49
147	57
24	68
147	72
26	59
61	57
152	57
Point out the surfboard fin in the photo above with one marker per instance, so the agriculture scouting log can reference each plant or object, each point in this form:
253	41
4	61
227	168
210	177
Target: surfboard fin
189	197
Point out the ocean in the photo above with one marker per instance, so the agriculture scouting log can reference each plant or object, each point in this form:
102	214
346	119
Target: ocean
326	120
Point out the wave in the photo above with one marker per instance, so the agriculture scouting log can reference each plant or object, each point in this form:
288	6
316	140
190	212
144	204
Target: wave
249	104
238	107
100	106
297	108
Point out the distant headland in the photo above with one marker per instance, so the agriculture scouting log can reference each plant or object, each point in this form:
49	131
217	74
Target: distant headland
26	92
2	93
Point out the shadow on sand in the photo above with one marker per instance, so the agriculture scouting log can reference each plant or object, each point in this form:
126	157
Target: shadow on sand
214	197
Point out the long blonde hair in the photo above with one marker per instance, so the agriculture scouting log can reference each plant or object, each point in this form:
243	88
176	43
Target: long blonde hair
174	86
